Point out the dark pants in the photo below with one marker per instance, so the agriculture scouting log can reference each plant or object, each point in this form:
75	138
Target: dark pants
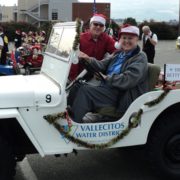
150	55
90	98
3	57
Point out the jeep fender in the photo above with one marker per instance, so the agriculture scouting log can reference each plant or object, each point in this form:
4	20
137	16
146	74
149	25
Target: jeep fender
14	113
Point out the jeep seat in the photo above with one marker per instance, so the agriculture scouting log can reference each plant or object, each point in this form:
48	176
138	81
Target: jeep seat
153	75
111	113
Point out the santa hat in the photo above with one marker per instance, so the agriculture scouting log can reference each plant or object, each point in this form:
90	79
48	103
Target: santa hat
129	29
98	18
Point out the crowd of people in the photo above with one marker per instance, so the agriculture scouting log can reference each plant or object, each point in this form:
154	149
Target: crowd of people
29	38
20	39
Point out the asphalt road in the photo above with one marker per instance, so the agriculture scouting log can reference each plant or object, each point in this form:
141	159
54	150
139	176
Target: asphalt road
112	164
166	52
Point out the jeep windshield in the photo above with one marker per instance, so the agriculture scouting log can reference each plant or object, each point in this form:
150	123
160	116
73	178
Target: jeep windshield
61	41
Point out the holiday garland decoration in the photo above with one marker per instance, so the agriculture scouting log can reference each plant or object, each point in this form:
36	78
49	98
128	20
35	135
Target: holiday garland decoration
77	37
52	119
159	99
134	121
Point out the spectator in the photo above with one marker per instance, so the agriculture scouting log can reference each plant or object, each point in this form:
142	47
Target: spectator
42	37
24	37
95	42
125	77
3	46
18	39
149	40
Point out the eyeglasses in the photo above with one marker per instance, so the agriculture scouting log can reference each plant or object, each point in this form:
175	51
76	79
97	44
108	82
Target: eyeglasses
97	24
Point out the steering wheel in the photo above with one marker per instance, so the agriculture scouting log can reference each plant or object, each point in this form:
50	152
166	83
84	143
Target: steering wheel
92	70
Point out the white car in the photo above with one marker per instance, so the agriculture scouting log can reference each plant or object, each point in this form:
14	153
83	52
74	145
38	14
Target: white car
26	102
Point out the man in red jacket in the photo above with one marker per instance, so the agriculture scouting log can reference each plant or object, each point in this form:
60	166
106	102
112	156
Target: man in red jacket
95	42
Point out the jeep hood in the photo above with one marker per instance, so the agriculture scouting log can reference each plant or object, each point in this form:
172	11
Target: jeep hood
25	91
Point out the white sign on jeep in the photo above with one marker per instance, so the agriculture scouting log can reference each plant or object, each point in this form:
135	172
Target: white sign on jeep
172	72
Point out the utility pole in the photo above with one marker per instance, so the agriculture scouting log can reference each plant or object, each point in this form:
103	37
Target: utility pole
94	7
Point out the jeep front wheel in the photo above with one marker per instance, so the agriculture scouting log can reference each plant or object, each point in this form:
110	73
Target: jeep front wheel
164	146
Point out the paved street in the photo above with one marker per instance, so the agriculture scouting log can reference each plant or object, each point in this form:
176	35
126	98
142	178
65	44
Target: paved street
112	164
166	52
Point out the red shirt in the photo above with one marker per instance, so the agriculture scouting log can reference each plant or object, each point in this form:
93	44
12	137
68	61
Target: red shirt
96	49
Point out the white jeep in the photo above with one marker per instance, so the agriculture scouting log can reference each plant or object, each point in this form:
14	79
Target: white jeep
27	102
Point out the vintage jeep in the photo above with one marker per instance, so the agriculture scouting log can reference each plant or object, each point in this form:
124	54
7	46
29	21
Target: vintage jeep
33	116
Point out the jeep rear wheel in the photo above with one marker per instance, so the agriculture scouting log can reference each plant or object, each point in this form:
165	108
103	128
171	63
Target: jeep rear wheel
7	161
164	147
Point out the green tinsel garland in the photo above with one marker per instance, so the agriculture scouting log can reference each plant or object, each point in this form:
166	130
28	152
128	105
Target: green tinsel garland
77	37
52	119
158	100
134	122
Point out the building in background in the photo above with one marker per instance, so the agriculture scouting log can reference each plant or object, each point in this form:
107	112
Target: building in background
85	10
38	11
8	13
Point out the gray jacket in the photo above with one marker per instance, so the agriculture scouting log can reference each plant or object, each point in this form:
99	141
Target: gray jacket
131	82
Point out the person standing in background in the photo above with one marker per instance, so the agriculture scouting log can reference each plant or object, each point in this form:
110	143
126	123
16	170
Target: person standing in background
3	47
18	39
149	40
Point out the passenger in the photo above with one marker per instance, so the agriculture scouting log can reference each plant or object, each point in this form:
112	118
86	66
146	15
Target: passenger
95	43
125	75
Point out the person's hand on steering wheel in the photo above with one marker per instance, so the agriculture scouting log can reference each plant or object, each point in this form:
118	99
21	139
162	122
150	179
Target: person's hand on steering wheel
85	60
83	57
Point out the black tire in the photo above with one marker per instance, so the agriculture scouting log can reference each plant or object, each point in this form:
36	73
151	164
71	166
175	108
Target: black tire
164	146
7	161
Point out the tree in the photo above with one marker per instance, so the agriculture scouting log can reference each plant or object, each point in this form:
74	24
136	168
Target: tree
131	21
163	30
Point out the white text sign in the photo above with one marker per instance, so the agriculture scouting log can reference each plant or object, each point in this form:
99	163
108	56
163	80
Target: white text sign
172	72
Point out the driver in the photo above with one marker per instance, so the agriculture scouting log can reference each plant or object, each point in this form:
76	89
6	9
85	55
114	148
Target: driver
125	78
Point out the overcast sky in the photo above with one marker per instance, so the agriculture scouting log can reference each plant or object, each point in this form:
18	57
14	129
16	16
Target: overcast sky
139	9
